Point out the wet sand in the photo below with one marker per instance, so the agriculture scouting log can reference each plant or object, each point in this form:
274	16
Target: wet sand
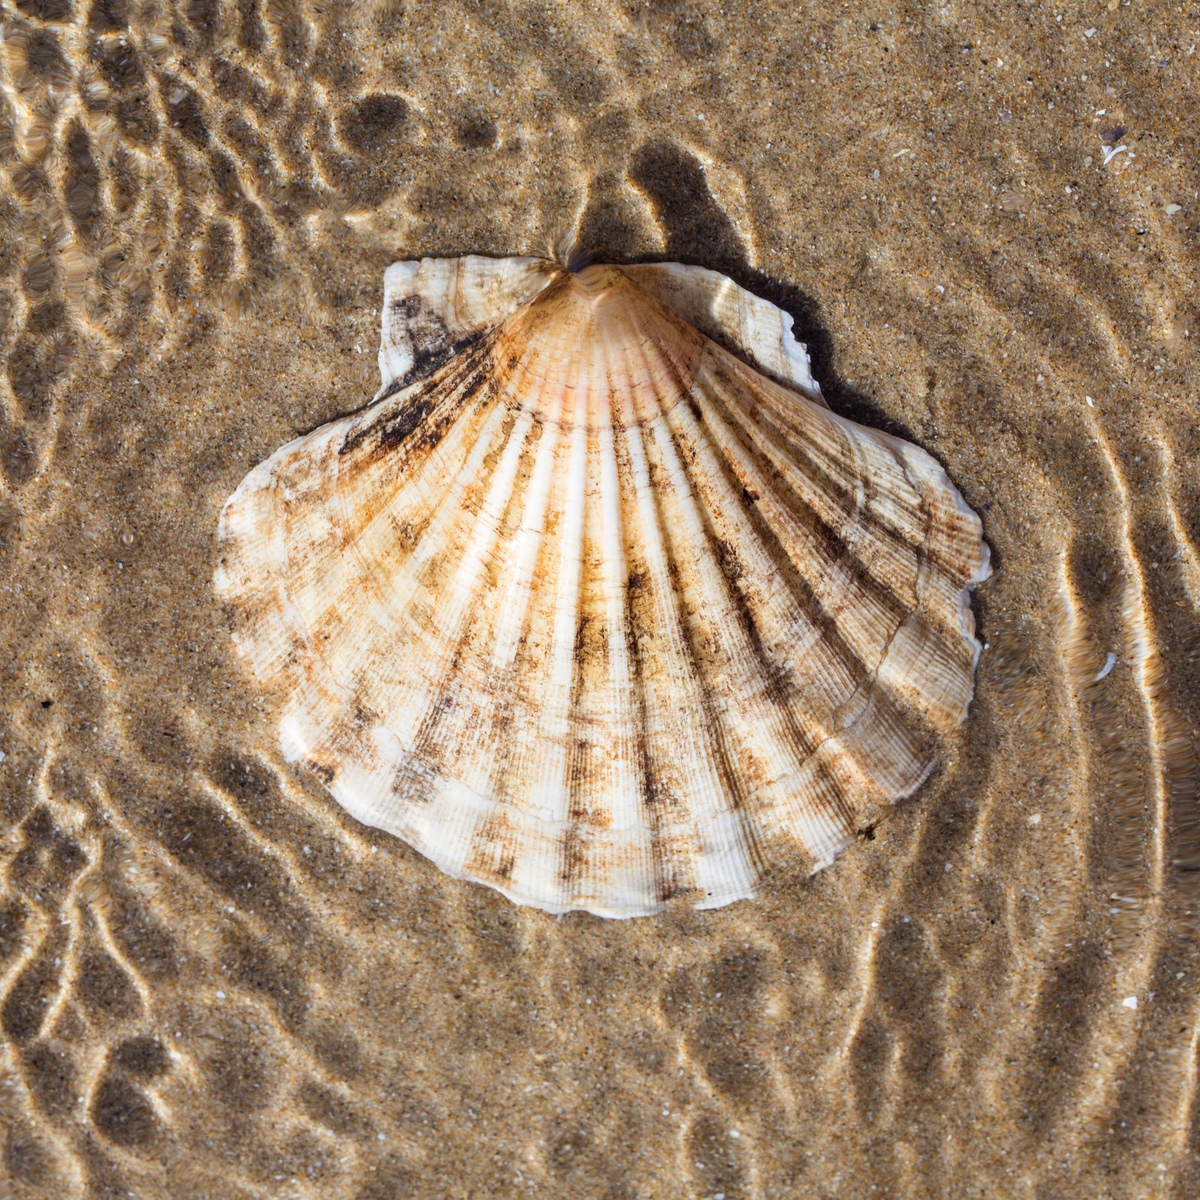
214	983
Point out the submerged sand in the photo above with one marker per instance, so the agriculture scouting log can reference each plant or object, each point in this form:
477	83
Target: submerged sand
214	983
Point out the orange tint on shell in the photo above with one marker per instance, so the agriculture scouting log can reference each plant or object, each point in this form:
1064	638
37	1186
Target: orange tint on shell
595	612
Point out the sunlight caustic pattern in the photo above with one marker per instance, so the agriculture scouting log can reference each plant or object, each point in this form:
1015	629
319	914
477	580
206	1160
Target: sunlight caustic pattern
214	982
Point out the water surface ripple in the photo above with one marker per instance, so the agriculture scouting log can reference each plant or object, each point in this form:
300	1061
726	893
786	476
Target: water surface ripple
213	983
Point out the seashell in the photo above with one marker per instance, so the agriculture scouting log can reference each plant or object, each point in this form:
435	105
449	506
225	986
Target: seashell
598	603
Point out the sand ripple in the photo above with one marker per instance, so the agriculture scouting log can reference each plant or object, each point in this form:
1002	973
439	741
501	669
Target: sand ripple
214	984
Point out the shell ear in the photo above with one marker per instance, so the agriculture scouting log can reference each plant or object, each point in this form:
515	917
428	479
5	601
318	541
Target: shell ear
747	325
434	308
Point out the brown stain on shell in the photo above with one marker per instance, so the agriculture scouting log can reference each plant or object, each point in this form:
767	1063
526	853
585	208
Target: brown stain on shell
604	615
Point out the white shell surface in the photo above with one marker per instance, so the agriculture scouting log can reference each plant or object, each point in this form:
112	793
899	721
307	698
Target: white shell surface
720	309
432	308
596	613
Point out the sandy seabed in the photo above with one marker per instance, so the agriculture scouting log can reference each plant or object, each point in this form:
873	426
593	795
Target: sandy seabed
214	983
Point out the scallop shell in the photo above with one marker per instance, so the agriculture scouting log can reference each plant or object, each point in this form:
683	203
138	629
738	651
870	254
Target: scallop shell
598	603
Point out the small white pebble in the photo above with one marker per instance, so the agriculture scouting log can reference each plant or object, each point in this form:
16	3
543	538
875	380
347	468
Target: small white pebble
1035	818
1109	663
946	869
734	1133
1129	1002
1089	33
220	995
1172	209
1040	378
1091	402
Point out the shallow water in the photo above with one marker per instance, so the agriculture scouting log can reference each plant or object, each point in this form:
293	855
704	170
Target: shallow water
214	983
